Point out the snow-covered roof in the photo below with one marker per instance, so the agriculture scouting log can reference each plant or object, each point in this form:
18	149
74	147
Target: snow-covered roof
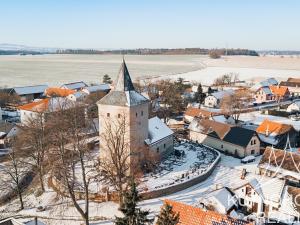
224	200
269	189
222	94
223	119
295	106
157	130
75	85
264	83
26	90
271	139
95	88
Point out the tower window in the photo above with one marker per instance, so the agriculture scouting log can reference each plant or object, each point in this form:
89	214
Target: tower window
142	113
164	145
136	114
108	114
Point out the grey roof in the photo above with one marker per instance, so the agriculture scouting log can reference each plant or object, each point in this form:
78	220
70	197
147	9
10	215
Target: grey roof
75	85
239	136
100	87
221	94
124	93
37	89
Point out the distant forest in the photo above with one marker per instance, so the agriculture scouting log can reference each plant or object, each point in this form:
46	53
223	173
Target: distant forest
162	51
19	52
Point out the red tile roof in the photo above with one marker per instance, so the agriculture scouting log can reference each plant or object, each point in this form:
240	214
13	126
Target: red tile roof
189	215
38	106
195	112
279	90
58	92
268	126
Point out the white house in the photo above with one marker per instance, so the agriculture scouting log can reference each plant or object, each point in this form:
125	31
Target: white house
261	195
214	99
294	107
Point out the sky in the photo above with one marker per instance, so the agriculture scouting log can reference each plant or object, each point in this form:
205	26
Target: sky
106	24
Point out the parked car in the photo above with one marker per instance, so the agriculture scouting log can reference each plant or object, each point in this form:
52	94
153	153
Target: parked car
248	159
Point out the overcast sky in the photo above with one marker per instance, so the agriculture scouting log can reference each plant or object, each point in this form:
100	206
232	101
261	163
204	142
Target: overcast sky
253	24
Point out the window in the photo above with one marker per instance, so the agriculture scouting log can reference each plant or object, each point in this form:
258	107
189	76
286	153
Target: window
108	114
252	152
157	150
248	191
254	141
136	114
119	115
222	146
142	113
164	145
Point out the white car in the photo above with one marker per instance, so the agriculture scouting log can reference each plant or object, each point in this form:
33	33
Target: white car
248	159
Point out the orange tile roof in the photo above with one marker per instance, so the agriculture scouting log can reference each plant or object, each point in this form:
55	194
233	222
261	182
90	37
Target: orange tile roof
193	112
38	106
273	127
59	92
279	90
189	215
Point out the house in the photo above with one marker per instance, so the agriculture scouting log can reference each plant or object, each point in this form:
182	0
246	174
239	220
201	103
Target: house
190	215
42	107
277	134
294	107
96	88
280	92
125	102
214	99
260	195
77	86
263	94
280	163
28	93
237	141
192	112
160	137
262	91
58	92
293	85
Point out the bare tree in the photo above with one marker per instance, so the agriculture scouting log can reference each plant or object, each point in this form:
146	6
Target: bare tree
36	143
233	105
14	170
68	128
115	162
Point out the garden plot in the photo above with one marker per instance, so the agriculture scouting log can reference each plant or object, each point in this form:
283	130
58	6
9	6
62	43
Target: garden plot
194	161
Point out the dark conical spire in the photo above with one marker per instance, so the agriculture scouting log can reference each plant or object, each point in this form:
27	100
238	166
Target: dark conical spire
123	82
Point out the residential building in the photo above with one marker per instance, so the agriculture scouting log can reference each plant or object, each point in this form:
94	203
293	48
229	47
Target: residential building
125	102
260	195
280	163
28	93
192	112
237	141
97	88
277	134
280	93
294	107
190	215
263	94
293	85
77	86
214	99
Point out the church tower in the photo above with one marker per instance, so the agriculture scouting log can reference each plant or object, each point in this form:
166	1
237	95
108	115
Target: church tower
123	101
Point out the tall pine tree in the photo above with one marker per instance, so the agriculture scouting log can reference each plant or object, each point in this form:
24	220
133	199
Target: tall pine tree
167	216
132	214
199	95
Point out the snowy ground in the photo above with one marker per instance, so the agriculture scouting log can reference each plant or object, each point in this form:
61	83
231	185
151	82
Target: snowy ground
227	173
257	118
197	160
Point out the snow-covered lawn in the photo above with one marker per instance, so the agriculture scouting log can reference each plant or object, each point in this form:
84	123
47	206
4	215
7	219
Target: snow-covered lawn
257	118
197	160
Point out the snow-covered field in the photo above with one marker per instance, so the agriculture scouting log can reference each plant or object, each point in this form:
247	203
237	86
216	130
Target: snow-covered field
257	118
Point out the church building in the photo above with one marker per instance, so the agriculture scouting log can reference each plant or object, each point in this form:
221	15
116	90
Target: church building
142	133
